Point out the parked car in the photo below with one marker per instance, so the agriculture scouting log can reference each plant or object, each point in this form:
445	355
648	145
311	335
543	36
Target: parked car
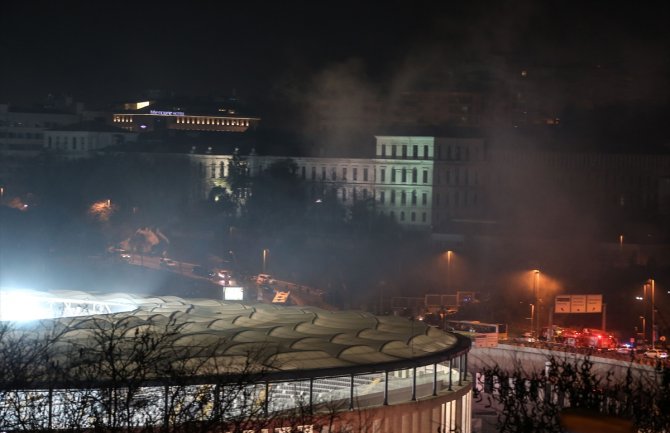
656	353
262	279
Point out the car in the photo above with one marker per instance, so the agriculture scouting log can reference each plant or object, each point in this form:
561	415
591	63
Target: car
623	349
125	257
527	337
168	263
656	353
262	279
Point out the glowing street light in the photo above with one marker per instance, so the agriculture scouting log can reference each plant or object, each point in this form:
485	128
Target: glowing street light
538	301
652	285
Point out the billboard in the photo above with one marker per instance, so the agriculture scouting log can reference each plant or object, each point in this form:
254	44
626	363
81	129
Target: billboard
578	304
231	293
562	304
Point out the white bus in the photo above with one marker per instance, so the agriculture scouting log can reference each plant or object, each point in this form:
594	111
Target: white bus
482	334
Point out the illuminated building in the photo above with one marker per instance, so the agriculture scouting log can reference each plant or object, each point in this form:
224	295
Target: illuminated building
353	369
149	116
421	182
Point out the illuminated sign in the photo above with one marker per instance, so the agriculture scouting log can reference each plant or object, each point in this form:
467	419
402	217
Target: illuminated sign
166	113
231	293
281	297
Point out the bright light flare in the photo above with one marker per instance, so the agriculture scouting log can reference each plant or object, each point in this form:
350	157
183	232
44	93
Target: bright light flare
23	306
17	305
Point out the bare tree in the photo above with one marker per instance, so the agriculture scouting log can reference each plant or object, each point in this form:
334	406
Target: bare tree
549	400
129	373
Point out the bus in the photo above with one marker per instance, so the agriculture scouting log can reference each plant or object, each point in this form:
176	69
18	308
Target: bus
482	334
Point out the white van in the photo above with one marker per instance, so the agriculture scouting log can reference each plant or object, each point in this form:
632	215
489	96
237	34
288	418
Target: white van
264	279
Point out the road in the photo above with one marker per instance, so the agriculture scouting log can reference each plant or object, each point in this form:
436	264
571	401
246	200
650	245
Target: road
299	294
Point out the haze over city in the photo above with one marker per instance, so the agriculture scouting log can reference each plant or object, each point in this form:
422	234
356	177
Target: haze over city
470	160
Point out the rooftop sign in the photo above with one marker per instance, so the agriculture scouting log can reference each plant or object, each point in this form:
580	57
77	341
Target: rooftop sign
166	113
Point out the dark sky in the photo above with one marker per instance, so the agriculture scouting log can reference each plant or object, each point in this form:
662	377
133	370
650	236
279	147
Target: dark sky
264	50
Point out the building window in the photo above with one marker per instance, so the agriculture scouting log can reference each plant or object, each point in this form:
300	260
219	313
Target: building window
404	151
425	176
414	175
425	152
382	174
333	174
344	173
302	173
393	151
403	198
354	173
392	175
415	151
383	150
313	173
423	217
413	198
403	175
424	199
222	167
392	215
365	174
393	197
413	216
382	197
402	216
323	173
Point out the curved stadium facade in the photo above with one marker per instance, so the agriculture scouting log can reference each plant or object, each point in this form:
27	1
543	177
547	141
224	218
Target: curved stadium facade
111	361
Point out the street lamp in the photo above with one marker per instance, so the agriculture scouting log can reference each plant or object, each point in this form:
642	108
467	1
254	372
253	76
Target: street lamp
536	291
266	252
644	327
532	318
651	283
449	254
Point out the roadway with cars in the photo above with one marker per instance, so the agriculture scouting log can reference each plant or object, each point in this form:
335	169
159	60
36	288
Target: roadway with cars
646	357
266	288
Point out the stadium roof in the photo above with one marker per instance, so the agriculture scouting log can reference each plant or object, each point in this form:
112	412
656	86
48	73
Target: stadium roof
231	338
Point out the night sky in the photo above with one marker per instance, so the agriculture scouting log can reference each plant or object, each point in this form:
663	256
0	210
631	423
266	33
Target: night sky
269	52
